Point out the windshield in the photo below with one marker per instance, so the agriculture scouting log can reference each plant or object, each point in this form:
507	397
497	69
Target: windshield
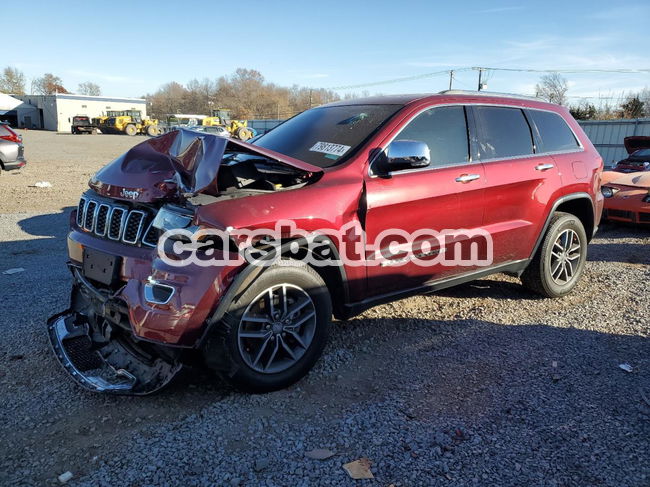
327	136
641	153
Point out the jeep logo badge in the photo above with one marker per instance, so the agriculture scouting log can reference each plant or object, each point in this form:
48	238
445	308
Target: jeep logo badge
131	194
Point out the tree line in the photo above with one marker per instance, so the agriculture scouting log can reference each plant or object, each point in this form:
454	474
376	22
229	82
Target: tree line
13	82
245	92
249	96
553	88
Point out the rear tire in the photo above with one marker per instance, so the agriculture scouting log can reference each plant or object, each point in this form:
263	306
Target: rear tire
262	356
560	260
130	130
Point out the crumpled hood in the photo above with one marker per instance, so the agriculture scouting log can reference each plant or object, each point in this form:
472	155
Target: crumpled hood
177	163
636	142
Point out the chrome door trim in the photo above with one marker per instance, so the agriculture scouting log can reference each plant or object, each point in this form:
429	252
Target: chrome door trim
479	161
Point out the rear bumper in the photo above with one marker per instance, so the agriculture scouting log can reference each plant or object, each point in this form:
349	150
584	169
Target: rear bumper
18	164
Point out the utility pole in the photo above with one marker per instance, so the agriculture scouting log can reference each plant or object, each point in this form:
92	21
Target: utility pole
480	73
310	97
451	78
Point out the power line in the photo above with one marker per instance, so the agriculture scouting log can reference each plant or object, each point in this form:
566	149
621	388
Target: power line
486	70
399	80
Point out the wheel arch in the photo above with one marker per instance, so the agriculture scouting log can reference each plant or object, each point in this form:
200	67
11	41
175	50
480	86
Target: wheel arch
335	279
577	204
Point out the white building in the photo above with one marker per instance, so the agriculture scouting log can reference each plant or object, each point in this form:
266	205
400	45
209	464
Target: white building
55	112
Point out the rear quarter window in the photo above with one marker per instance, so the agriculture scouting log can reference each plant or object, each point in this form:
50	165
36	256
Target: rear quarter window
503	132
555	135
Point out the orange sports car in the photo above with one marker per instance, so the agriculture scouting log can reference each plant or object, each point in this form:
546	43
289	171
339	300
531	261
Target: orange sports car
627	196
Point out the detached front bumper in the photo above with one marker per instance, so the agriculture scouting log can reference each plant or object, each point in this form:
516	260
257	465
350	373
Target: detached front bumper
99	354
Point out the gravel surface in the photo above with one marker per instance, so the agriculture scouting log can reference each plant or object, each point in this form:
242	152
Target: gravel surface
484	384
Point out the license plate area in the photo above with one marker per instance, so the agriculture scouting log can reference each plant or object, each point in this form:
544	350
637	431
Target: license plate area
101	267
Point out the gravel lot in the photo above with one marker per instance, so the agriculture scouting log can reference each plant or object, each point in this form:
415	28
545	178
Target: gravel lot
485	384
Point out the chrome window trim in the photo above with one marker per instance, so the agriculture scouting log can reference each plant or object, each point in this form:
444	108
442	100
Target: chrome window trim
478	161
140	225
122	221
108	213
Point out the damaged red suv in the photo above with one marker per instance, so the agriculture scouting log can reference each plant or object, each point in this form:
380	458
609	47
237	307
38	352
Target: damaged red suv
338	209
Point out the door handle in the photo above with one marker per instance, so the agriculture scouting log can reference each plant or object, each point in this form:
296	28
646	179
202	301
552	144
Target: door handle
544	167
466	178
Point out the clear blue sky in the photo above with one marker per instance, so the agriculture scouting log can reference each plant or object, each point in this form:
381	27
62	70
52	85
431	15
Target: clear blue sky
131	47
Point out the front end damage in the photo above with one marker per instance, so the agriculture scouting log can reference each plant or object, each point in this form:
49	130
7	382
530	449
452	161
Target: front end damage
135	322
97	348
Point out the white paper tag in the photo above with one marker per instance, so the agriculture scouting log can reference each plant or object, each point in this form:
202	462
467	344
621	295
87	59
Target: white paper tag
330	148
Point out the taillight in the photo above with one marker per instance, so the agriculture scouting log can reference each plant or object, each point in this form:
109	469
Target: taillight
11	136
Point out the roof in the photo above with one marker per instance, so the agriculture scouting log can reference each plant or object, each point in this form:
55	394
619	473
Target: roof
8	102
71	96
410	98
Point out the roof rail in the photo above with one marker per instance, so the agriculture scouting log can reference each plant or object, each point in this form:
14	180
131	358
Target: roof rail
487	93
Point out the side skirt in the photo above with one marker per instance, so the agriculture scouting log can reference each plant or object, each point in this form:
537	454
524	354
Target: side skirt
512	268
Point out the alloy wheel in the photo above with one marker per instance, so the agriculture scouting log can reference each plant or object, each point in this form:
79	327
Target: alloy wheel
565	257
277	328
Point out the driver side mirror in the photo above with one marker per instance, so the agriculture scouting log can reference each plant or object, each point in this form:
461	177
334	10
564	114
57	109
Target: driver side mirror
405	154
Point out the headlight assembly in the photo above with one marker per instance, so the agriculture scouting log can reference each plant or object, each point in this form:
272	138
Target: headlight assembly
608	191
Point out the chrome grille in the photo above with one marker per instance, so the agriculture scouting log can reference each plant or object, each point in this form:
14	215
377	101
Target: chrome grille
102	219
115	222
89	215
133	226
116	225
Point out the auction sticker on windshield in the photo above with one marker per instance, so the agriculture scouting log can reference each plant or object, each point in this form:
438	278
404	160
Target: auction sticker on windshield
330	149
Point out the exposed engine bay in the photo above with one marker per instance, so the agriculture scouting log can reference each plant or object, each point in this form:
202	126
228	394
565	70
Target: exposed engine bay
240	171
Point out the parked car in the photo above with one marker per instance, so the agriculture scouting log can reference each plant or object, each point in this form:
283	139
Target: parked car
478	184
638	148
216	130
81	124
12	150
627	197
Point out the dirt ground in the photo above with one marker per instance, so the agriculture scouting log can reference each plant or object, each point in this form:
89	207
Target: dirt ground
484	384
66	161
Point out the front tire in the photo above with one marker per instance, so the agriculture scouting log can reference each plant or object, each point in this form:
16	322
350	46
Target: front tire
274	331
559	262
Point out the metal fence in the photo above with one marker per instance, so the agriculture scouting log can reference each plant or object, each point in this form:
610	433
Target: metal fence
263	126
607	135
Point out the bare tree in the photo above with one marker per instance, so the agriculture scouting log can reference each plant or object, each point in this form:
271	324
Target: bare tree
245	92
49	84
12	81
89	88
552	88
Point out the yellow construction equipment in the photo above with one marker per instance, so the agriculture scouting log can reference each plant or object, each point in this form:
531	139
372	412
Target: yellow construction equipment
236	128
129	122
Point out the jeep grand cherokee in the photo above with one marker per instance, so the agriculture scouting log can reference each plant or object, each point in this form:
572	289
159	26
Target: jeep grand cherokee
517	172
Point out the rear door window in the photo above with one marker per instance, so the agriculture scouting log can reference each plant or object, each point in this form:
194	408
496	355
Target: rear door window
503	132
554	132
444	130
